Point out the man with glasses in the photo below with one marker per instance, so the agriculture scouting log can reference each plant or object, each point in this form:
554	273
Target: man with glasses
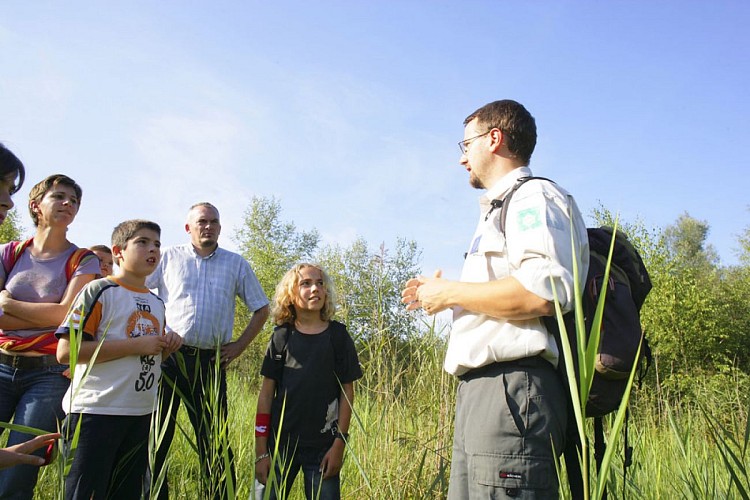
510	402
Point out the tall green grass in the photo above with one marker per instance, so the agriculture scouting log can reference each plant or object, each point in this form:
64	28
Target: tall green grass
401	434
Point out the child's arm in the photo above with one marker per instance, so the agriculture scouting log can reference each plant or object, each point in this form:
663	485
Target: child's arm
263	416
146	345
334	459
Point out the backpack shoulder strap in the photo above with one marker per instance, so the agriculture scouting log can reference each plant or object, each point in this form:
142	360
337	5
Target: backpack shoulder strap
12	252
279	341
76	260
505	202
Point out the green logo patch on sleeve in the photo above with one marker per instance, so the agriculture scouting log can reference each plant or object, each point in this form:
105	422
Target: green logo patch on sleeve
529	218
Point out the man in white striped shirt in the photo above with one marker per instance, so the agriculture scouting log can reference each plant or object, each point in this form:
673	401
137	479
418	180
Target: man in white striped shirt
198	282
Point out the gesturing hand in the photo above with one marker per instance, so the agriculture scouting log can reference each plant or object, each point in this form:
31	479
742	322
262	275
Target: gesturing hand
428	293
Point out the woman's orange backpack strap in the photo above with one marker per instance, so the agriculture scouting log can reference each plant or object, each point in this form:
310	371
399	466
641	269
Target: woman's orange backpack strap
77	259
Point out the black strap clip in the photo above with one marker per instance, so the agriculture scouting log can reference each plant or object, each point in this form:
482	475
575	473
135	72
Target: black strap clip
496	203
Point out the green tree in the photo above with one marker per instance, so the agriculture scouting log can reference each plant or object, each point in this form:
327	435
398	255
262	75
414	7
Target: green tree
696	317
744	250
735	292
369	285
11	229
686	316
368	282
686	240
272	246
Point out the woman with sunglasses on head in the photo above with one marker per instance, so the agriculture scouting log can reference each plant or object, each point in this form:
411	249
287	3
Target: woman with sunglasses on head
39	279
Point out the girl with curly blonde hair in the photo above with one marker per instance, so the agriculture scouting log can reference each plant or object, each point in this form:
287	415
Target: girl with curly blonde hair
282	309
305	401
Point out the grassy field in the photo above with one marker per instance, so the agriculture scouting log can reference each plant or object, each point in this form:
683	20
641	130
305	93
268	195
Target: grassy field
401	435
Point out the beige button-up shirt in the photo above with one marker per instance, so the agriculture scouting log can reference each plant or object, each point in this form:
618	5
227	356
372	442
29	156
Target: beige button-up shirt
535	248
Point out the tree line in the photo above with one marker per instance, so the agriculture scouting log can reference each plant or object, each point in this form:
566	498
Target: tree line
697	317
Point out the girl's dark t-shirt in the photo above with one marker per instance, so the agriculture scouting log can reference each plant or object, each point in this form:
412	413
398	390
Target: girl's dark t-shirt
308	370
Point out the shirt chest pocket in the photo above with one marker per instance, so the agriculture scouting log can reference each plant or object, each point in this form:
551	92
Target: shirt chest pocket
489	244
486	260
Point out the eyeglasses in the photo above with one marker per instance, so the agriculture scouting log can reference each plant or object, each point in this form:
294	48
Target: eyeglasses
464	145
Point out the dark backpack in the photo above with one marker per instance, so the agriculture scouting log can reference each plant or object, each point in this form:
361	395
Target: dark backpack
620	333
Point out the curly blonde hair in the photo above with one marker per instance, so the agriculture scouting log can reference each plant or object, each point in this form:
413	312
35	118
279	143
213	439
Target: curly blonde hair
282	309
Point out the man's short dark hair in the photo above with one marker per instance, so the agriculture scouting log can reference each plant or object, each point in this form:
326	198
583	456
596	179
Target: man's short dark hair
125	231
40	189
10	164
517	124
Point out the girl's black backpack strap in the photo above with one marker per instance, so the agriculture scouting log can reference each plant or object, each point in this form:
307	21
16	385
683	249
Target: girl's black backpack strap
279	341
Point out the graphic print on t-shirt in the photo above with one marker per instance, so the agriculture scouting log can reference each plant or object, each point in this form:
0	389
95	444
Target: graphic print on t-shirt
142	322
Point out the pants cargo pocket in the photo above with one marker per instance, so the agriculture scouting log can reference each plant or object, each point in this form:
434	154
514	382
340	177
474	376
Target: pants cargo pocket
514	474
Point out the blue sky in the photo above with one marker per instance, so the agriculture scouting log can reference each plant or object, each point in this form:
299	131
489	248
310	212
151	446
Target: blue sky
349	112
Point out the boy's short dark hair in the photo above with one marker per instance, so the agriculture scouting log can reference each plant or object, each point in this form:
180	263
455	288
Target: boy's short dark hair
10	164
517	124
126	230
40	189
101	248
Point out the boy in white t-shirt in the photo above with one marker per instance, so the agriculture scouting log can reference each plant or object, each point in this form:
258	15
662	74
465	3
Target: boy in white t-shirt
115	400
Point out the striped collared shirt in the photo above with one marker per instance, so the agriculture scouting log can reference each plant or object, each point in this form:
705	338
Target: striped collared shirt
200	292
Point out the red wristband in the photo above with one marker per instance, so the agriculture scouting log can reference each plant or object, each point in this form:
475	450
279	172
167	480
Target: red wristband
262	424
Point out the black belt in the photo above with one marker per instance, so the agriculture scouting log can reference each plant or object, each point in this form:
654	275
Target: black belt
28	362
189	350
530	362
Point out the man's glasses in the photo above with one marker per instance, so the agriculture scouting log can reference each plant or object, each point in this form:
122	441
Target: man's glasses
464	145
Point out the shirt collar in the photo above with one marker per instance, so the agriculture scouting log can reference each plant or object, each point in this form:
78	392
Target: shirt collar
501	187
199	256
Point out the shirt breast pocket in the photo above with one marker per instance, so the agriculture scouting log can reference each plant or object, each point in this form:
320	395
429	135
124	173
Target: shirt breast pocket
486	261
490	243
